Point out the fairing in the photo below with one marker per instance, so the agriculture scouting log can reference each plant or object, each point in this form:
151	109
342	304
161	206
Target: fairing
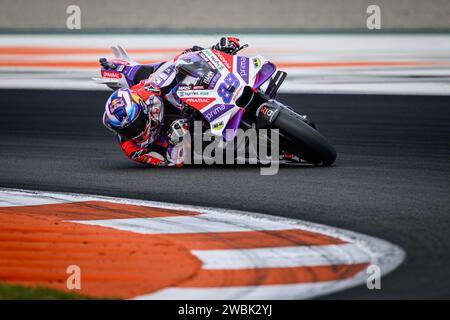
216	81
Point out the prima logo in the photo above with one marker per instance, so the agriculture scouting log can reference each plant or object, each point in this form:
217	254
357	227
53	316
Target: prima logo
215	111
243	68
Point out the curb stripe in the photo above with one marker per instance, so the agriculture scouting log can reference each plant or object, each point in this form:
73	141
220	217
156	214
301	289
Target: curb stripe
251	239
93	210
271	276
299	256
209	222
18	236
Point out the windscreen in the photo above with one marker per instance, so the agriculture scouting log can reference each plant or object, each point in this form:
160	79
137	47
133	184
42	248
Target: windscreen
194	66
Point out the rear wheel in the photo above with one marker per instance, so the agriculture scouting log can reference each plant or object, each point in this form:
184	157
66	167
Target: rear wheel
299	138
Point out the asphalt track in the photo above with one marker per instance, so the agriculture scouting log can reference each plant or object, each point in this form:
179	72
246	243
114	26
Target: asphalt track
391	179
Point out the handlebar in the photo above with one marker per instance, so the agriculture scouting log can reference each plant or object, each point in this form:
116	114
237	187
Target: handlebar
239	49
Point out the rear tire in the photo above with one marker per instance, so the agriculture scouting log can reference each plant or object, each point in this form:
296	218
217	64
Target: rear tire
299	138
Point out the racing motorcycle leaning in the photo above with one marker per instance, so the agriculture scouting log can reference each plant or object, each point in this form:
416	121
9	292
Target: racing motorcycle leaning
228	92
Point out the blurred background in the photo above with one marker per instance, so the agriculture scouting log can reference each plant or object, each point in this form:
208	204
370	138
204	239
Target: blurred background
326	46
224	16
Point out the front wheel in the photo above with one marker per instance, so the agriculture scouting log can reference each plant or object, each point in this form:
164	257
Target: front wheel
299	138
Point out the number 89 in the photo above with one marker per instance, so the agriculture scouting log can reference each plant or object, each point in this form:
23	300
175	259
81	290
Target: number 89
230	81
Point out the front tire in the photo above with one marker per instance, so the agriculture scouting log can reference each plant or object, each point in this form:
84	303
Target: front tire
299	138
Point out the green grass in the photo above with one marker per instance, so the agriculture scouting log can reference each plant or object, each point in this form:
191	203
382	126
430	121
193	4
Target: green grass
18	292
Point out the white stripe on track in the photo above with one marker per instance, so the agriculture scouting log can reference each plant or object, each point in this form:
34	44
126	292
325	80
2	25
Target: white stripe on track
15	199
266	292
282	257
203	223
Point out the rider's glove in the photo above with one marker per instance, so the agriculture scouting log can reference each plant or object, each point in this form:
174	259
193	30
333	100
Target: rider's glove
107	65
177	130
176	155
119	65
116	64
227	44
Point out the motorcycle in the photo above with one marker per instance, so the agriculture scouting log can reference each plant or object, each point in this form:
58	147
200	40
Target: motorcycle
225	92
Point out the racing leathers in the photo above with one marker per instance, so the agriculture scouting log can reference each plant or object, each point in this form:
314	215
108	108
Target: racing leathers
163	146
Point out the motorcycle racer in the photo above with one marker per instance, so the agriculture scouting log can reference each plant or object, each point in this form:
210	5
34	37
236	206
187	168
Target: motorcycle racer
136	114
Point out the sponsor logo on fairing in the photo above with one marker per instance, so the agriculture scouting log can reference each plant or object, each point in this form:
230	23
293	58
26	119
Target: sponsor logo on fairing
111	74
163	76
226	60
198	103
205	58
190	87
198	100
208	77
256	62
215	60
216	110
218	125
242	67
184	94
214	80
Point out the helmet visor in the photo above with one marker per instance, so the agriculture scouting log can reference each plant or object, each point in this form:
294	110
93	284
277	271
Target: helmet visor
135	128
